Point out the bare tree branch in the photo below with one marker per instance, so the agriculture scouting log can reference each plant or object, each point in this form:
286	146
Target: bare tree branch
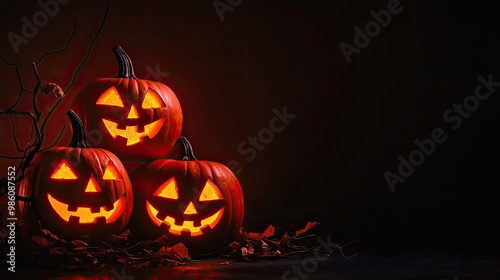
14	133
35	91
21	85
27	156
55	142
78	69
34	144
85	29
70	39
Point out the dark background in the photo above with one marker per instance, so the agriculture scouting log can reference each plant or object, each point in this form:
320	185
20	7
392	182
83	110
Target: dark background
353	120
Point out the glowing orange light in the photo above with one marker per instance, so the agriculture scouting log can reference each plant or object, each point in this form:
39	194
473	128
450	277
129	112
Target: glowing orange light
133	114
210	192
190	209
130	132
84	213
92	185
168	190
188	226
111	173
152	100
64	172
110	97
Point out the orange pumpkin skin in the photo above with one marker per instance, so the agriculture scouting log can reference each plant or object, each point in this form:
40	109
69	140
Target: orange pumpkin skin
96	186
123	128
191	177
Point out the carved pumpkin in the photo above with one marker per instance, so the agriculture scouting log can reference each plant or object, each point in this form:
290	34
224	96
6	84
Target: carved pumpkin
196	202
77	190
139	119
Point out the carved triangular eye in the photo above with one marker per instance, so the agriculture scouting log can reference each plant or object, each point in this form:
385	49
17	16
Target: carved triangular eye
168	190
111	172
152	100
110	97
64	172
210	192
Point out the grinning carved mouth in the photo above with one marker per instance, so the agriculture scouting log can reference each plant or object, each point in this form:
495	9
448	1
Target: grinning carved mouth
85	215
130	132
188	226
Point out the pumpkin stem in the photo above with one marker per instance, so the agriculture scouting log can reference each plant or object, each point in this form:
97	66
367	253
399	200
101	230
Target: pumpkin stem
124	63
186	150
79	140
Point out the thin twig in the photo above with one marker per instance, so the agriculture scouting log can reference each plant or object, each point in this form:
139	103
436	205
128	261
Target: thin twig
31	136
35	91
70	39
19	80
55	142
85	29
14	133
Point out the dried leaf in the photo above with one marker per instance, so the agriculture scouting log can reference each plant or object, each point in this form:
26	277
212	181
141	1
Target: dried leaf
58	251
79	249
42	241
233	250
269	231
252	235
119	239
49	235
146	243
308	227
180	250
141	265
272	255
285	241
78	243
163	240
53	88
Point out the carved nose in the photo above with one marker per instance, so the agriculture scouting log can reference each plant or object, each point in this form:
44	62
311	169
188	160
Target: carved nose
133	114
92	185
190	209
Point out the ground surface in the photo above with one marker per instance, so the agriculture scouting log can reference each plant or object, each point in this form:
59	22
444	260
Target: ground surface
388	266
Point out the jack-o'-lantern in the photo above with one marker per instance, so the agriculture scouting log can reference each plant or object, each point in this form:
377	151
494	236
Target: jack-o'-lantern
139	119
196	202
77	190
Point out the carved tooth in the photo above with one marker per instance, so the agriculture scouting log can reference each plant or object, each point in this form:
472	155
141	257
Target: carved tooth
95	209
101	221
161	216
165	227
121	126
197	223
179	222
72	208
74	220
108	206
206	229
